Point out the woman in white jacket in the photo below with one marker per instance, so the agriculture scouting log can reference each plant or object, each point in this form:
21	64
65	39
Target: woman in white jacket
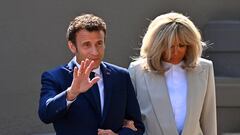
175	87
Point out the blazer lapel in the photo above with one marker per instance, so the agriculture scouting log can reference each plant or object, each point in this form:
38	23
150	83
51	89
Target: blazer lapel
107	90
161	103
195	83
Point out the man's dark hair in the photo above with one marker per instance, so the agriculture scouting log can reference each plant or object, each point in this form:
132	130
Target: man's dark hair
88	22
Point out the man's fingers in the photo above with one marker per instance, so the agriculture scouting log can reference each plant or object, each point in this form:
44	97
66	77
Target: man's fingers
82	66
106	132
85	68
89	68
87	62
75	72
100	131
94	80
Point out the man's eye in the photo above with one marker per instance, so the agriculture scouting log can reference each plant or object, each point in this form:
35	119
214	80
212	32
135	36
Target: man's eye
86	44
100	43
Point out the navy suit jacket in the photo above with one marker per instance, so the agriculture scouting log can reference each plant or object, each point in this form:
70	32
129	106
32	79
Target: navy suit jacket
83	117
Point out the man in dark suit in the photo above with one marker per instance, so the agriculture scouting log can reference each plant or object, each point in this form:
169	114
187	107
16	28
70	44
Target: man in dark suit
88	96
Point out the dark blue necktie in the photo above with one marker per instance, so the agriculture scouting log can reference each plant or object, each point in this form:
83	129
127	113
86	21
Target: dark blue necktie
95	91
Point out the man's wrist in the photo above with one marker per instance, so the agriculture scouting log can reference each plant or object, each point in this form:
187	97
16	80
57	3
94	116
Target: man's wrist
71	95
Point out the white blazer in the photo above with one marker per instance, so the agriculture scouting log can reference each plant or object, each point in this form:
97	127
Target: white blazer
155	104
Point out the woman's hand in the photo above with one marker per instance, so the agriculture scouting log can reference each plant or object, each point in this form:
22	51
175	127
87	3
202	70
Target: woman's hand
129	124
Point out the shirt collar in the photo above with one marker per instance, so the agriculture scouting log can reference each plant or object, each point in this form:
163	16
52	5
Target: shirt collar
168	65
172	68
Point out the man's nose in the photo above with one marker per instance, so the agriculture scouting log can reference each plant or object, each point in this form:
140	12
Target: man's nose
94	51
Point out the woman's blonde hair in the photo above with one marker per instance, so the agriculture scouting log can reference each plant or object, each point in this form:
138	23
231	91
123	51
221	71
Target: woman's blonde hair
161	34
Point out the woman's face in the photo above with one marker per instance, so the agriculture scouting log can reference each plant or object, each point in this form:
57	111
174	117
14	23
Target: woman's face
178	51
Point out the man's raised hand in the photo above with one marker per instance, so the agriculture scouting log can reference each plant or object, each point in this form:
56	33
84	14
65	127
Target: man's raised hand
81	81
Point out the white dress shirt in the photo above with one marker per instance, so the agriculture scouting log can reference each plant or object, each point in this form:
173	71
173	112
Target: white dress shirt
176	80
97	72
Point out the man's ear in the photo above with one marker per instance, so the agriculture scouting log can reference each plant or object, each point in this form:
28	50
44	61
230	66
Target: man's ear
72	47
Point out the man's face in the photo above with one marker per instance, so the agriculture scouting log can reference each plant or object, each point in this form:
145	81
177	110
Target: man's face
88	45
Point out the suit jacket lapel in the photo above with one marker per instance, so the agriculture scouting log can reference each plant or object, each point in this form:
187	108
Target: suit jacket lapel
195	84
161	102
107	81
